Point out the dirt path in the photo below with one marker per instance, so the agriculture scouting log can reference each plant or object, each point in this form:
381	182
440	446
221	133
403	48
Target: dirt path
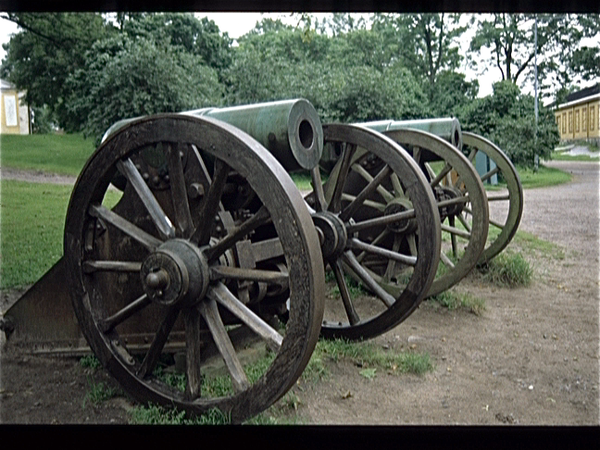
531	359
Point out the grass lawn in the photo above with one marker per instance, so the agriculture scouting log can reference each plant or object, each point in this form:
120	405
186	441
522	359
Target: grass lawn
63	154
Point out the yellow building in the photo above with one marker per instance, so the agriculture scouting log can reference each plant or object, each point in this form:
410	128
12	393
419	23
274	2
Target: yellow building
15	117
578	118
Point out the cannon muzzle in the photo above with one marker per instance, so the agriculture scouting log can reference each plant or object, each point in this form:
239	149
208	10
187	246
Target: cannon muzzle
289	129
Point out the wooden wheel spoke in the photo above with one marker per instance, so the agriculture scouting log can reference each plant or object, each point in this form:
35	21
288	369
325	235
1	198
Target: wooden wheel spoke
111	266
335	202
193	341
344	292
430	172
368	190
159	218
440	176
367	279
380	221
261	217
452	222
392	264
490	174
497	224
370	203
375	241
455	231
412	244
147	240
320	202
454	201
385	194
257	275
211	204
464	222
211	315
158	343
179	191
128	311
471	156
446	260
383	252
221	294
397	185
498	198
417	154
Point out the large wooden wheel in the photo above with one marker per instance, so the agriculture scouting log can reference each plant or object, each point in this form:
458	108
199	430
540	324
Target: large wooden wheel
505	214
208	245
458	189
378	223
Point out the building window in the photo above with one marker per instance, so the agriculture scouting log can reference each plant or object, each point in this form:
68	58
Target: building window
558	122
570	121
584	119
577	121
564	122
592	118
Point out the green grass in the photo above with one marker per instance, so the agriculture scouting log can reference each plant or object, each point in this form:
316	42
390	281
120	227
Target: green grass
369	355
560	156
32	219
531	243
454	300
89	362
157	415
63	154
544	177
31	230
507	270
98	393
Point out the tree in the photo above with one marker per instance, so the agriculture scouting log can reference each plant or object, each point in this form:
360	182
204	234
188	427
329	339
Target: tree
125	77
427	44
48	48
507	118
184	31
560	58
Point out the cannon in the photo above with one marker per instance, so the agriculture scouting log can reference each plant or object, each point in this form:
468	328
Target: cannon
437	145
186	238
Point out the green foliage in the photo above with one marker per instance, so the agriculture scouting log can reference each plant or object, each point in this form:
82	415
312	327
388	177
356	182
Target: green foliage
507	118
125	78
507	270
46	50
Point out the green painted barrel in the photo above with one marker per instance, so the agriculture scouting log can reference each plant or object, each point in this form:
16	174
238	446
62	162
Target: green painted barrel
289	129
445	128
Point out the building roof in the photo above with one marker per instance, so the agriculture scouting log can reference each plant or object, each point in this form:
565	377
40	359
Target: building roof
587	92
581	96
5	85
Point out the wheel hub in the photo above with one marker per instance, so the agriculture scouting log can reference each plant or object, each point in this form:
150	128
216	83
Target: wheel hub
332	233
176	273
399	205
450	193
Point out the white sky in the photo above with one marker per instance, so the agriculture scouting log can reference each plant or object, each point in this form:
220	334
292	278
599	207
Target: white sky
238	24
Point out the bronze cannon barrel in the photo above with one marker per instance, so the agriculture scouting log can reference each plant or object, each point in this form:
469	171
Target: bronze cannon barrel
289	129
445	128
